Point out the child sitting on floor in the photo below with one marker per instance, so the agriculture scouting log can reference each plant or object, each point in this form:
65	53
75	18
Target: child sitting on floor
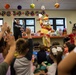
55	54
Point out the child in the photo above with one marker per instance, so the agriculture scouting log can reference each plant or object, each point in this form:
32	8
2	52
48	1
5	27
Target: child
55	54
68	47
4	63
7	61
22	63
41	55
3	52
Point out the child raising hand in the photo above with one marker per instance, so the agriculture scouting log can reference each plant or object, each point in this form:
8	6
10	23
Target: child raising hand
22	63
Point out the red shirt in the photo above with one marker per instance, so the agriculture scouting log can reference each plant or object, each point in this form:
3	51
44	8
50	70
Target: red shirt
72	37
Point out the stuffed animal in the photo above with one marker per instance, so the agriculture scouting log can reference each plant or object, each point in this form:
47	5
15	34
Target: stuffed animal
46	29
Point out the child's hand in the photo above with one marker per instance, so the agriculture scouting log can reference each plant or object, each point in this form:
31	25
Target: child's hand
43	64
28	31
4	27
8	29
10	40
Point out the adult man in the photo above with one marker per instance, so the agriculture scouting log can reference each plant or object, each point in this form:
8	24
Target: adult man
17	29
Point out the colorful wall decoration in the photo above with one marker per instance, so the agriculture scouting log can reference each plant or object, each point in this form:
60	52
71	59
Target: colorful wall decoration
19	13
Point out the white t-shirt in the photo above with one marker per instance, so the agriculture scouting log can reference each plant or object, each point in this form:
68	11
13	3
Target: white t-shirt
52	69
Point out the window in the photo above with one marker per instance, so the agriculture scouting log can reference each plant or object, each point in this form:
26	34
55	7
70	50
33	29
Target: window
1	23
57	23
27	22
30	23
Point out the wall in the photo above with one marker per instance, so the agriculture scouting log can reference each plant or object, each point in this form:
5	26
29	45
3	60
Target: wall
68	15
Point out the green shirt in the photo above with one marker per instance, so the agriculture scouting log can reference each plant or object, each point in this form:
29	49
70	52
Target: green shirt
3	68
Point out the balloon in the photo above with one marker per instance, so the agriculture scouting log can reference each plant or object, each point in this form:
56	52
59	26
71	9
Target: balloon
32	5
57	5
19	7
7	6
43	7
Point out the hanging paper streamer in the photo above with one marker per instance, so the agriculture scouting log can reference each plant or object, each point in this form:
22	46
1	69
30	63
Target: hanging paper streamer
37	13
32	13
3	13
27	13
14	13
19	13
8	13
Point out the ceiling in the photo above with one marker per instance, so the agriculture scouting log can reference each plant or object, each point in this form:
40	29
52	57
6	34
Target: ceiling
49	4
